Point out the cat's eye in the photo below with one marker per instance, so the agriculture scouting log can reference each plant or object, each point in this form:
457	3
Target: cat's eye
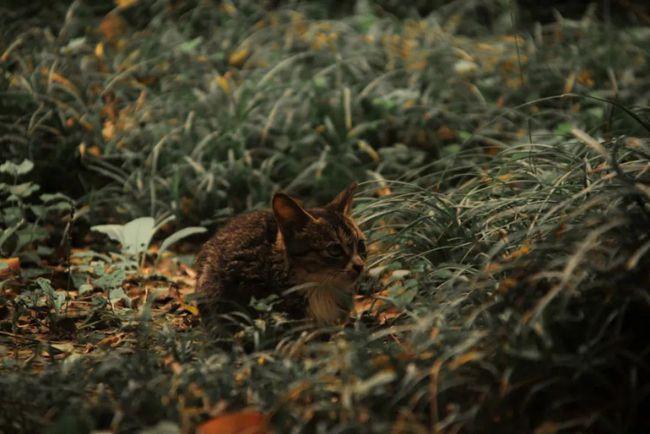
361	248
334	251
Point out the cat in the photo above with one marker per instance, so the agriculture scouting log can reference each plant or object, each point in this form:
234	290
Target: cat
318	253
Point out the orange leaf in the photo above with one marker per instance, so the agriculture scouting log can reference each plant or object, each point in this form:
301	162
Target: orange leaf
445	133
243	422
112	26
58	78
110	341
376	308
522	251
10	265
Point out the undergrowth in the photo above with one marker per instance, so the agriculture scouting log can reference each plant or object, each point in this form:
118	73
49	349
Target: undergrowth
506	195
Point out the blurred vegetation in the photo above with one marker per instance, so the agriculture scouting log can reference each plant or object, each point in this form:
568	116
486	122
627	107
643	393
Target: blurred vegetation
506	157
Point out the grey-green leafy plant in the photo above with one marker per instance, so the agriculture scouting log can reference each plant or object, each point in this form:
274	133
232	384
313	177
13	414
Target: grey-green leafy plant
135	236
23	214
510	278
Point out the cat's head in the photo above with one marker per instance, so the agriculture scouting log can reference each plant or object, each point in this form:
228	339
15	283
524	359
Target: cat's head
324	245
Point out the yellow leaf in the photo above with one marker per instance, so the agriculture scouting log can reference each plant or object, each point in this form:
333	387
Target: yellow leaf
228	8
570	81
465	358
365	147
223	83
409	103
124	4
191	309
99	50
64	347
237	58
108	131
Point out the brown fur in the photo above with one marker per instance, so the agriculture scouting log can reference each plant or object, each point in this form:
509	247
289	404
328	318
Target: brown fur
318	250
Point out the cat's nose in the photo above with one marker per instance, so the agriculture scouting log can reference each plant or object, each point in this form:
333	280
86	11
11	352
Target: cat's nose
358	268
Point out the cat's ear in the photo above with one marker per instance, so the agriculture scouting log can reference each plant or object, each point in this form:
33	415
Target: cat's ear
291	217
342	203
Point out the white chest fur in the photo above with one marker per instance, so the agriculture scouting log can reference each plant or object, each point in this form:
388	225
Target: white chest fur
329	305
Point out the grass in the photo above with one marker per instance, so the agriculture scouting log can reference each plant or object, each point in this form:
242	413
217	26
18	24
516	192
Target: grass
507	202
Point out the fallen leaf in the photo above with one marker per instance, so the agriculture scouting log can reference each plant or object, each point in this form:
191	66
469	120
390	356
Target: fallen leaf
189	308
223	83
99	50
64	347
112	26
108	131
375	307
55	77
522	251
110	341
465	358
445	133
238	57
243	422
124	4
548	427
9	266
585	78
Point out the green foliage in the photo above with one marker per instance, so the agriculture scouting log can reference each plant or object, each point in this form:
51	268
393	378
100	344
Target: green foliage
23	215
507	203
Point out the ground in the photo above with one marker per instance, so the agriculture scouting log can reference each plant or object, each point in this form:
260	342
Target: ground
503	157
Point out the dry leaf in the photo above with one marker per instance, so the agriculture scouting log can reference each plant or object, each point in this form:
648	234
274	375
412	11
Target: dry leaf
237	58
223	83
522	251
9	266
108	131
99	50
243	422
110	341
64	347
112	26
55	77
365	147
124	4
548	427
465	358
445	133
375	307
189	308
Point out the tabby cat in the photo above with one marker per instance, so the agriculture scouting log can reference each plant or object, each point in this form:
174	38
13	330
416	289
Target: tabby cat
317	254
